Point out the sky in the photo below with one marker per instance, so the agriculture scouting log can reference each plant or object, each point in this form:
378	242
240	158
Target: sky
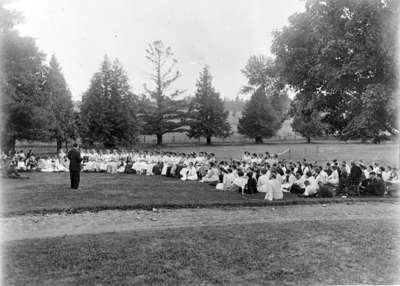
221	34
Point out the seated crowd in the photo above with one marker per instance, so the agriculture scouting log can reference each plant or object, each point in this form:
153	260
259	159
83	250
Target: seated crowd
250	174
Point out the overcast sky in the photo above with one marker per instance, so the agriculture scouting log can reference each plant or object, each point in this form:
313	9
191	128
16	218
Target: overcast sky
220	33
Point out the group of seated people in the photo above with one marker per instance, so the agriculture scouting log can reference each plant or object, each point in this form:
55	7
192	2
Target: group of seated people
252	173
21	162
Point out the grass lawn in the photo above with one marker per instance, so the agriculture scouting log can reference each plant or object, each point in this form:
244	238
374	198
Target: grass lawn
50	192
305	253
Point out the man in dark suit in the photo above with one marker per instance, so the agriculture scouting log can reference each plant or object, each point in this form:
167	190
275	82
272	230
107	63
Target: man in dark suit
355	174
75	160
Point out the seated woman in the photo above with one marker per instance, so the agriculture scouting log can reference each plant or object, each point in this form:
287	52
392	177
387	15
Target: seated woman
112	167
298	186
59	166
189	173
333	178
45	165
239	182
385	173
288	180
311	185
121	166
32	163
263	179
228	179
21	166
376	185
273	189
139	166
322	176
212	176
157	168
89	166
128	166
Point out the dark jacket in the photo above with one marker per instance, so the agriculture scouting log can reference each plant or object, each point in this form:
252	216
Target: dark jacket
251	186
355	174
75	160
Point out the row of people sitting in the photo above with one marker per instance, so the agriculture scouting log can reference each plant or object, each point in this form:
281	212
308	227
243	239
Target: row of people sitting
301	177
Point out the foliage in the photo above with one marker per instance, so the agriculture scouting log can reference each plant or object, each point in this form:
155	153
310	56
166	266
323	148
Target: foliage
306	120
8	19
109	109
338	50
377	114
208	116
162	112
259	120
264	113
62	118
280	102
260	73
234	106
24	106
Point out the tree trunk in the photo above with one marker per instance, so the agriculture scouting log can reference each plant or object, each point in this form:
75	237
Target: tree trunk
209	140
66	146
259	140
159	139
9	145
308	139
59	145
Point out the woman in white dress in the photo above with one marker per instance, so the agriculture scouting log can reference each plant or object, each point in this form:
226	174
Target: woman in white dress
212	175
189	173
273	189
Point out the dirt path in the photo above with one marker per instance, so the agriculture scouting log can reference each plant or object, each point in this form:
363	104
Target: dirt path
36	226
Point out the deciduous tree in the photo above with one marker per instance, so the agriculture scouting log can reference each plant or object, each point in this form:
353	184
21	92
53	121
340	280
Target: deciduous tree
337	50
305	119
25	110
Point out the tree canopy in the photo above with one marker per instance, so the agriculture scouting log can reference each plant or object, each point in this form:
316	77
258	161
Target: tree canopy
24	106
263	115
342	54
259	120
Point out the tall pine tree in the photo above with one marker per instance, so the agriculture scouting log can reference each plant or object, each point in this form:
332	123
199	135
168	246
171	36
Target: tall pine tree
109	109
62	121
163	112
208	117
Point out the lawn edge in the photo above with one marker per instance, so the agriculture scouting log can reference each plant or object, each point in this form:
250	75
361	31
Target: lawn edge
149	207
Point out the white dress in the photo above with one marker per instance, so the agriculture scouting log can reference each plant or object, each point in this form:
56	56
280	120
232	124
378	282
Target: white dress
273	190
312	188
